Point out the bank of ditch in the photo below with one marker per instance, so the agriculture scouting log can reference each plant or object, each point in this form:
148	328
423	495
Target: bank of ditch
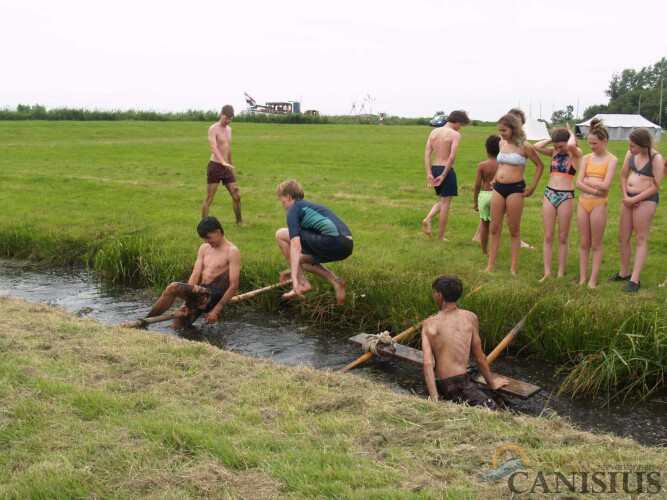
92	410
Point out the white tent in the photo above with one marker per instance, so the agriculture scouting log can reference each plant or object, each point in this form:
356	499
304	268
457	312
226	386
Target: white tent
620	126
535	130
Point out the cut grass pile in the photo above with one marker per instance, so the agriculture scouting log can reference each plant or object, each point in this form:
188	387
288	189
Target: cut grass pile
93	411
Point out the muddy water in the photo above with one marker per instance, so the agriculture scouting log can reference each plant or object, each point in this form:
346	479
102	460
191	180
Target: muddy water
291	343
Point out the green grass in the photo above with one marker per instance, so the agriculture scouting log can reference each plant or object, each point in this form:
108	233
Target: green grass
88	410
126	197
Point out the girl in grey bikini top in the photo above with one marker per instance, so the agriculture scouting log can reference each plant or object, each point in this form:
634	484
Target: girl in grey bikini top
514	159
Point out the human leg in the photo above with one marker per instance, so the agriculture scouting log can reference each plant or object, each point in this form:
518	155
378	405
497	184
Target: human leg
444	215
435	210
339	284
625	229
284	243
642	218
564	213
495	227
484	236
549	215
514	213
194	295
584	225
598	222
234	191
211	189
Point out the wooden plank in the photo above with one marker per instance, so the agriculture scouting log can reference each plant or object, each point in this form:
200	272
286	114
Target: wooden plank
516	388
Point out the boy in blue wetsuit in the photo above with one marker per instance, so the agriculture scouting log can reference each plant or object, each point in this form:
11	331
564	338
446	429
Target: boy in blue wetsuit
314	235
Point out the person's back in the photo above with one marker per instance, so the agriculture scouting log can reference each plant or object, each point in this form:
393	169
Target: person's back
450	334
487	170
441	143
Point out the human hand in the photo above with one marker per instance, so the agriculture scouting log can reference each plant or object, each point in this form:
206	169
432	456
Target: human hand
211	317
602	193
438	180
430	180
476	208
499	382
528	192
629	202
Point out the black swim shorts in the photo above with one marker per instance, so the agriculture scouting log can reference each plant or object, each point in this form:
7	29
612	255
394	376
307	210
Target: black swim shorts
324	247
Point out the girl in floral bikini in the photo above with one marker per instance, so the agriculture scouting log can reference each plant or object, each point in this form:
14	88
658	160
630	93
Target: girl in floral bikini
558	203
594	180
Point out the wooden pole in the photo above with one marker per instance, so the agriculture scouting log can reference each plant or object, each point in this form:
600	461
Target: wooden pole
404	334
179	313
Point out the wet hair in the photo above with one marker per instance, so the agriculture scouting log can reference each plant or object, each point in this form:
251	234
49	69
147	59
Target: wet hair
598	129
290	188
458	117
209	225
493	145
643	138
560	135
449	286
514	123
519	114
228	111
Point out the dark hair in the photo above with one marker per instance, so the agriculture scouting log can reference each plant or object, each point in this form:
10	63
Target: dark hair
290	188
458	117
449	286
493	145
209	225
514	123
598	129
643	138
228	111
519	114
560	135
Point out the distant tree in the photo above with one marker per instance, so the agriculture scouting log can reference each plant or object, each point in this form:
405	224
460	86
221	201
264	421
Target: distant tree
563	115
593	110
628	87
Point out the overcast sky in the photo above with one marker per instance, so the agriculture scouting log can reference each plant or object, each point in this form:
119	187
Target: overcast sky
412	57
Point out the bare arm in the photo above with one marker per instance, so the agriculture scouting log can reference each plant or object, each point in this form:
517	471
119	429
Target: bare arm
295	264
428	151
530	153
429	364
625	172
609	177
541	147
449	164
478	187
581	176
234	275
198	267
483	366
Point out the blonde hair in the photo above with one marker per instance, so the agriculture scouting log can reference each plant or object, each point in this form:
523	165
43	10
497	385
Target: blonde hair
514	123
290	188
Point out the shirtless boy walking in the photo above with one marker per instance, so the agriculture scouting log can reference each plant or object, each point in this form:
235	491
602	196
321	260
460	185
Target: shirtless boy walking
441	147
213	282
220	167
449	337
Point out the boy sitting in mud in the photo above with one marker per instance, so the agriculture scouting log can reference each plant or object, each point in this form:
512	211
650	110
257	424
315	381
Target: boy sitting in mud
213	282
450	336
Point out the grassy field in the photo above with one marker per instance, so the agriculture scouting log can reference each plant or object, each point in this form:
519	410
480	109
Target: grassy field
90	411
126	198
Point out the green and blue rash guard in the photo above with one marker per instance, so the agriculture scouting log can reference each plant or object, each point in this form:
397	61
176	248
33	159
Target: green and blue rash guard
305	215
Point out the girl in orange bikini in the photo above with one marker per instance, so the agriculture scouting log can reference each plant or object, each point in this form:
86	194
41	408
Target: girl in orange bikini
641	176
558	202
593	181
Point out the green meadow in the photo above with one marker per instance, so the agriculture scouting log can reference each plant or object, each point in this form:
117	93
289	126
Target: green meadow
125	197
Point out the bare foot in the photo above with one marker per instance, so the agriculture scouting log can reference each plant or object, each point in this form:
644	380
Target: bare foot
240	223
592	285
444	239
526	245
485	254
427	228
340	287
488	269
514	272
582	282
283	276
290	295
545	277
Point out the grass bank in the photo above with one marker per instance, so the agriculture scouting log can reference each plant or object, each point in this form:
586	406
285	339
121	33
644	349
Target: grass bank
95	411
125	197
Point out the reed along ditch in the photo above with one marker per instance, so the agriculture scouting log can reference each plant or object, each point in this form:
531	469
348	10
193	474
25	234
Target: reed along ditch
291	341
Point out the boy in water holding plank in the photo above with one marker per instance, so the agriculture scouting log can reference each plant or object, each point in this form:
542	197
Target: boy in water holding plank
213	282
450	337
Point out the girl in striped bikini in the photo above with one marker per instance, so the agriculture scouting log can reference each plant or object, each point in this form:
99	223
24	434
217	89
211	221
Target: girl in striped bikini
593	181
